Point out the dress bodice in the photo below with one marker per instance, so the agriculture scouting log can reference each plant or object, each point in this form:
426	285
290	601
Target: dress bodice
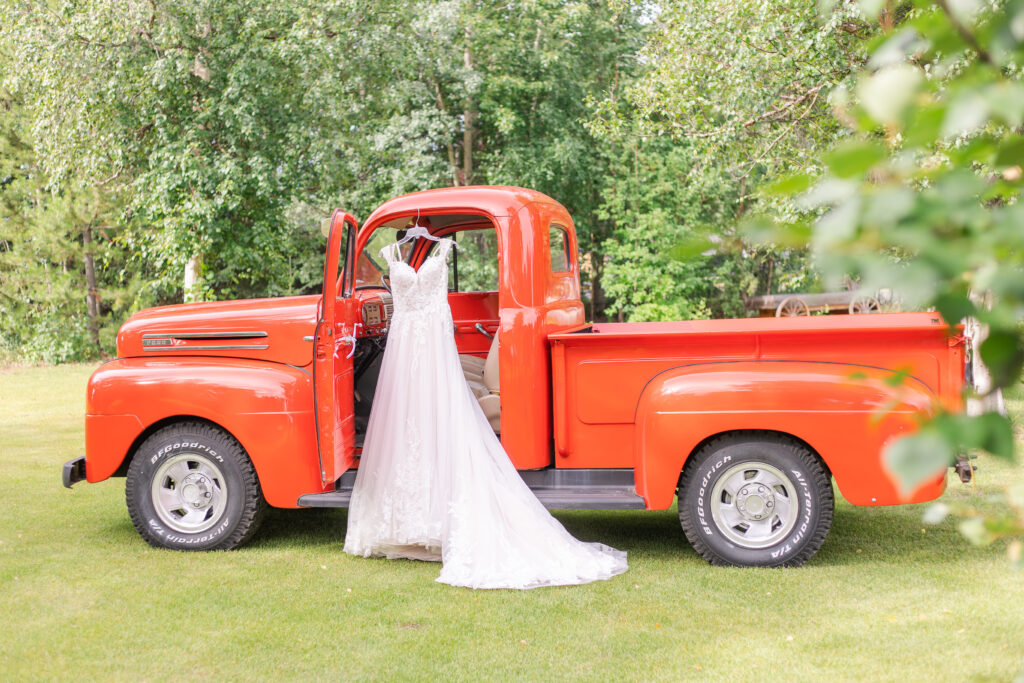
422	290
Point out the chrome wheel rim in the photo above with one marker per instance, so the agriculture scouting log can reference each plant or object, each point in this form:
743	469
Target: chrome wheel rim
754	505
189	493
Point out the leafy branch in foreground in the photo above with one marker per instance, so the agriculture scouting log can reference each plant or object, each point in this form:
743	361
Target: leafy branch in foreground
923	197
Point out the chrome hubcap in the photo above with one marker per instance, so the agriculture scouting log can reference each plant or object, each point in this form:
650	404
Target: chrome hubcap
189	493
754	505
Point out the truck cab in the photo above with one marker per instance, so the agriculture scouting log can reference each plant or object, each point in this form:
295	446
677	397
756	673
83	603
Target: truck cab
214	411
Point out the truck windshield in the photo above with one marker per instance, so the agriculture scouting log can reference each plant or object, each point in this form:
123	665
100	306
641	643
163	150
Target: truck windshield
371	266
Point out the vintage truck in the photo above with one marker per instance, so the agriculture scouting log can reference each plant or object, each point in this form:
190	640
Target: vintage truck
213	411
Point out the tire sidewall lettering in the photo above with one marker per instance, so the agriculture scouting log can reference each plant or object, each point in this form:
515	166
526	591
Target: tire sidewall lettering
208	538
698	504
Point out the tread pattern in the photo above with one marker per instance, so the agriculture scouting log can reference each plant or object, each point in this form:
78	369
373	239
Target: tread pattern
253	504
813	467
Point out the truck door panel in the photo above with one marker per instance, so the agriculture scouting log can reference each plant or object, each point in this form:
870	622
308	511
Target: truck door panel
334	341
470	309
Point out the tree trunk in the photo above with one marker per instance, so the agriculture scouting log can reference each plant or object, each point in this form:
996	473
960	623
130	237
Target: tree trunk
469	117
92	299
193	271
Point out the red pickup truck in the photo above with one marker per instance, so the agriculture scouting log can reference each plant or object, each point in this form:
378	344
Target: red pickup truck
213	411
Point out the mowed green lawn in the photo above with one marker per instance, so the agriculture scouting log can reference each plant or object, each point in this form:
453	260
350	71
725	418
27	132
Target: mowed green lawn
82	596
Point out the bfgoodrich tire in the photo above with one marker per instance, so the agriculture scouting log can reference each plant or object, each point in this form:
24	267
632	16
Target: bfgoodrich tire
755	500
191	486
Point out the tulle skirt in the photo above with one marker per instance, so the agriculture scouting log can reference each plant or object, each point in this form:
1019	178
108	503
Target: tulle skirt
434	482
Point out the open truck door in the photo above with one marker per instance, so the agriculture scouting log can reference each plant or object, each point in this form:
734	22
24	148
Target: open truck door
334	344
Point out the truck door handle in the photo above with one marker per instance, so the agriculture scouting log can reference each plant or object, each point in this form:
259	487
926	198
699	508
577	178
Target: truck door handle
482	330
349	341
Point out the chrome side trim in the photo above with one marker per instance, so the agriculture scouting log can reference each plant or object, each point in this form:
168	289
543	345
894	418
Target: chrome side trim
204	335
224	347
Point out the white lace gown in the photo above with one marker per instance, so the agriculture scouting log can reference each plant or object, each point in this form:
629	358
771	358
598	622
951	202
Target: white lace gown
434	482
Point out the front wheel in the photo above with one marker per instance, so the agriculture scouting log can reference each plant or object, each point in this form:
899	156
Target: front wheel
755	501
191	486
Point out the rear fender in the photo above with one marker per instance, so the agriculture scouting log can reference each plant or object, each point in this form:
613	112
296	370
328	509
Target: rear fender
847	414
267	407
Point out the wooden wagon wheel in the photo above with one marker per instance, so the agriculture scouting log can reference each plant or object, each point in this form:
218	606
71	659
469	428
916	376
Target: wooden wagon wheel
864	304
792	306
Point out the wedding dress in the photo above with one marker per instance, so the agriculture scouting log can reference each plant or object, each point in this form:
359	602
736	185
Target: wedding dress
434	482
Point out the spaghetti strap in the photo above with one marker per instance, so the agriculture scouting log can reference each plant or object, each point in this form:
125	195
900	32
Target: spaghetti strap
444	246
390	253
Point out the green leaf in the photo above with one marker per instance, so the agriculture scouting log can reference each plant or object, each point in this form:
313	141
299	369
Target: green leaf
789	185
1011	152
967	113
936	513
918	458
1006	100
923	126
871	8
1003	355
691	247
997	434
889	206
838	225
975	531
954	307
898	377
886	94
854	157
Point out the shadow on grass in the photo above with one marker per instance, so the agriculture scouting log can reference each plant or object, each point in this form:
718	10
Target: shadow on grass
858	536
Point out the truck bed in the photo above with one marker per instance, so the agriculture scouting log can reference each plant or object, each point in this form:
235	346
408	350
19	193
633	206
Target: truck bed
600	371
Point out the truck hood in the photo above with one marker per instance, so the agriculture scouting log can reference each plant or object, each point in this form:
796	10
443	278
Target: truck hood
278	330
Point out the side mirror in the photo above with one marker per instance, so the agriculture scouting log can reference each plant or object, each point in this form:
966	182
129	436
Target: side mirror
325	226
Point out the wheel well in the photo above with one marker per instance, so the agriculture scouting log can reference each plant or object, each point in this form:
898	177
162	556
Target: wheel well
122	471
757	434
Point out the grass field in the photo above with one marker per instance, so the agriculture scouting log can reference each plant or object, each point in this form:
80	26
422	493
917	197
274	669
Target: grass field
887	598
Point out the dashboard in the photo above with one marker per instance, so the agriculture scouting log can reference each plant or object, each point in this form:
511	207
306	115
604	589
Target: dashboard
376	310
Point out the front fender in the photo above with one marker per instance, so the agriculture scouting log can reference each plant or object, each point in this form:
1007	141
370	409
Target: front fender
267	406
846	413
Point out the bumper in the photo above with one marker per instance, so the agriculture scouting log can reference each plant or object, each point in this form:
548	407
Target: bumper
74	471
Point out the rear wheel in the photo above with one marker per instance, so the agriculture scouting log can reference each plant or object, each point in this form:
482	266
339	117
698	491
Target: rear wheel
755	500
191	486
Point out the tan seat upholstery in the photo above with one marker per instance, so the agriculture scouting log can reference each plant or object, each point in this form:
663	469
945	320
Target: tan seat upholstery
487	388
473	367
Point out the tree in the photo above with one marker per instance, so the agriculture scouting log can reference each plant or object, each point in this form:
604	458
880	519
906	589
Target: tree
208	115
737	92
498	94
58	264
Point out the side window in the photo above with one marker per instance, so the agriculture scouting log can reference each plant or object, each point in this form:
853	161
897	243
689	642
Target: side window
348	245
473	267
558	240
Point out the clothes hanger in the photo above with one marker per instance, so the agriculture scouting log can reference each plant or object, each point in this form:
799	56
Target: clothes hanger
417	230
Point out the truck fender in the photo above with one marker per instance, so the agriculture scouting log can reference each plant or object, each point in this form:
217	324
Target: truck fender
845	413
267	407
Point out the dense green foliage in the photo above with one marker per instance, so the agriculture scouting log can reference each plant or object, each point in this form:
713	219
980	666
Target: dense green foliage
58	254
216	133
734	92
199	144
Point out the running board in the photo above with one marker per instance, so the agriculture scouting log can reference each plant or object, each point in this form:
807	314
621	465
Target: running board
555	489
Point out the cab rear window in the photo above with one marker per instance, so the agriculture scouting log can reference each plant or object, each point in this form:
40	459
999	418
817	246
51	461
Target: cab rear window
559	244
